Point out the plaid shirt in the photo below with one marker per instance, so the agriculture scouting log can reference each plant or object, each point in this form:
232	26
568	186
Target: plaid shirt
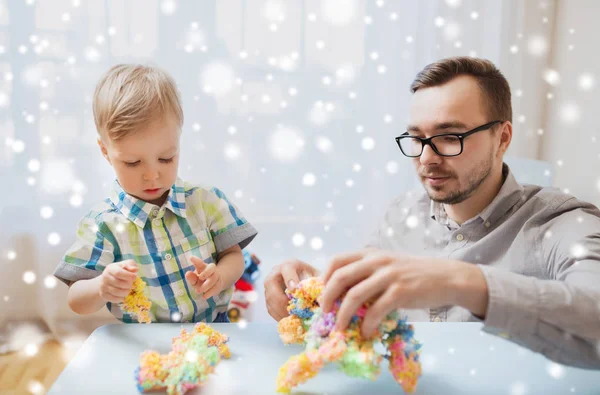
193	221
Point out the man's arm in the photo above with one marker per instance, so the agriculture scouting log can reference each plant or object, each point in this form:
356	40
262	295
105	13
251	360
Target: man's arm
558	317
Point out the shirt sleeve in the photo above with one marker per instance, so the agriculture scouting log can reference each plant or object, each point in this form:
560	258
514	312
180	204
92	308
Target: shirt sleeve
88	256
226	223
559	316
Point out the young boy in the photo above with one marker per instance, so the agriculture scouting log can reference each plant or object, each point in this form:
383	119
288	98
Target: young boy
184	241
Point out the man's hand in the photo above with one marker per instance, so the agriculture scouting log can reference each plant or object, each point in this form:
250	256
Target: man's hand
285	275
393	281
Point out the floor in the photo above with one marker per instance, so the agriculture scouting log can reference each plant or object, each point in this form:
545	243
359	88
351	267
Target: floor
23	374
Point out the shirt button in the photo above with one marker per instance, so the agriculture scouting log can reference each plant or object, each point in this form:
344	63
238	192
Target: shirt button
460	237
168	257
438	319
156	222
154	213
487	224
180	292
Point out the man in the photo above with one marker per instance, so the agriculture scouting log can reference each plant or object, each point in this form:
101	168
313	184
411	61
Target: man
476	246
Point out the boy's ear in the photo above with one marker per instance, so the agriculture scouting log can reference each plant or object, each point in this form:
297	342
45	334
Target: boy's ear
103	149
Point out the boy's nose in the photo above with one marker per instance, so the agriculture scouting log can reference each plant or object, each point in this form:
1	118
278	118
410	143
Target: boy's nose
150	175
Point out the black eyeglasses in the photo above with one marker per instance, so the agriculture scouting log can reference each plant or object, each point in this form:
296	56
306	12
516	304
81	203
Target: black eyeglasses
450	144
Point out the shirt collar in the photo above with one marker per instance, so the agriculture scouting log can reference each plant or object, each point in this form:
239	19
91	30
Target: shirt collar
508	195
138	211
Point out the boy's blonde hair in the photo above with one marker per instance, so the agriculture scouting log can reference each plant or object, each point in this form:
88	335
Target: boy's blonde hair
129	96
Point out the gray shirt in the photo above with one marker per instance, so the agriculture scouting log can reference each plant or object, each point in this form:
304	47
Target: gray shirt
539	250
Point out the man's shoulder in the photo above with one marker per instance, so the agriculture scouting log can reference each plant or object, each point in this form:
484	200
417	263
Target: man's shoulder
554	206
550	198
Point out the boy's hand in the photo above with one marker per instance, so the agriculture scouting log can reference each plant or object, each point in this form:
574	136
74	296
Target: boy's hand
206	279
116	280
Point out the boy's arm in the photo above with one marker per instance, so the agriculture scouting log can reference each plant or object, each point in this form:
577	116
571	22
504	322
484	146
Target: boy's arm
113	285
84	296
230	265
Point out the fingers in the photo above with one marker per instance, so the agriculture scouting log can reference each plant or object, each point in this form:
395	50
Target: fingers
290	273
343	279
112	294
119	272
209	270
207	284
275	297
198	263
360	294
389	301
211	290
130	266
192	278
117	282
340	261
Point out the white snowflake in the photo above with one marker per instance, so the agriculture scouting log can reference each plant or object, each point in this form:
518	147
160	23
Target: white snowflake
76	200
412	222
555	370
175	316
316	243
232	151
18	146
286	143
339	12
274	11
537	45
454	3
11	255
92	54
578	251
474	15
570	113
439	21
324	144
345	74
298	239
33	165
309	179
368	143
452	31
218	78
586	82
518	388
50	282
46	212
29	277
53	238
552	77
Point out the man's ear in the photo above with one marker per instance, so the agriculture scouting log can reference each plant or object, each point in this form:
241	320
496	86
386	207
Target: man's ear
103	149
505	137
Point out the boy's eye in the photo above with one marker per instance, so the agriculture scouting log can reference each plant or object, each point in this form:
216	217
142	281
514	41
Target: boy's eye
132	164
166	160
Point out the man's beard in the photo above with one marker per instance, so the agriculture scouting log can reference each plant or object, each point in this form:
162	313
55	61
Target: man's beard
475	179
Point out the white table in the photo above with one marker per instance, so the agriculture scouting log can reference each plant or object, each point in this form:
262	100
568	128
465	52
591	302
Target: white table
457	358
